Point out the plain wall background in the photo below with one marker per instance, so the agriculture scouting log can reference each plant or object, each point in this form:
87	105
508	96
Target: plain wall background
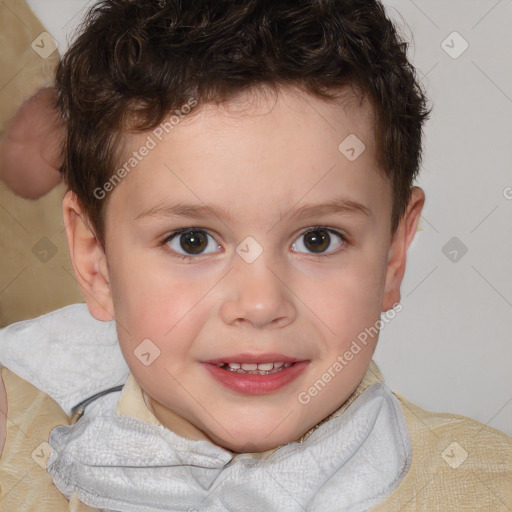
450	348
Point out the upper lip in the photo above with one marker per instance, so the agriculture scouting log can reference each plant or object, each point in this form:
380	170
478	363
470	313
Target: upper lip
254	358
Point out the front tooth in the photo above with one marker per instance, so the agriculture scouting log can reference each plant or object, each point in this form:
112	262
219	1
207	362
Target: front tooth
235	366
249	366
265	366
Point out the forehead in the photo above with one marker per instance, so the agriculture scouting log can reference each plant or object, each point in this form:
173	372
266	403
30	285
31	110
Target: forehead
254	151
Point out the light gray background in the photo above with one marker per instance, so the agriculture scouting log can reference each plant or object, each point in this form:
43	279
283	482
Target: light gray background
450	348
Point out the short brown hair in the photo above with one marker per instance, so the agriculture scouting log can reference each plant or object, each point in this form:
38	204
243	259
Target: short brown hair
135	61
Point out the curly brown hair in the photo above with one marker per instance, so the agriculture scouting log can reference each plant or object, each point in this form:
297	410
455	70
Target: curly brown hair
135	61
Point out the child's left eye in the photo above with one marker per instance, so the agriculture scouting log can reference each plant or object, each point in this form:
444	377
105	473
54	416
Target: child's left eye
318	239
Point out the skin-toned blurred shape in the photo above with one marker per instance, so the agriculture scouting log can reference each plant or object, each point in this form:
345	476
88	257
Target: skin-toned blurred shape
31	147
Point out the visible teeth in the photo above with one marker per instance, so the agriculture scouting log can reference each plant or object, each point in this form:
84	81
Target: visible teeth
255	368
250	366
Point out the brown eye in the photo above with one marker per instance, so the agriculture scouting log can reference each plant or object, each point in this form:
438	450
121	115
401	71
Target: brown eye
193	242
190	241
318	241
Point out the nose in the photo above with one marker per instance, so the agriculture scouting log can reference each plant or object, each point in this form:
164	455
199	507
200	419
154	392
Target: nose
257	295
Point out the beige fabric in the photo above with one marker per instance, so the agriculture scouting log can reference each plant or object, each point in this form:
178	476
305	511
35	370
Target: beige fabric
441	478
24	483
458	464
29	285
131	403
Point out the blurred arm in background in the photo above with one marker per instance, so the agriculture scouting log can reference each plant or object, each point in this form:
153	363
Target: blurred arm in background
31	147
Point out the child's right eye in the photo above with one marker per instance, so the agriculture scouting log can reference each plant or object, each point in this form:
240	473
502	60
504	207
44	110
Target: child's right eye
192	241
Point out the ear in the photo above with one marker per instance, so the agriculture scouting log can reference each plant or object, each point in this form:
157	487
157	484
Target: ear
399	245
88	259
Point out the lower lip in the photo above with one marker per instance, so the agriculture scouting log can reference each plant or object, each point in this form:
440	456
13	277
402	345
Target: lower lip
253	384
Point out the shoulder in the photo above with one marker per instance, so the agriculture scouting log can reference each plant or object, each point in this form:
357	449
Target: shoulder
449	425
26	404
3	414
457	462
26	450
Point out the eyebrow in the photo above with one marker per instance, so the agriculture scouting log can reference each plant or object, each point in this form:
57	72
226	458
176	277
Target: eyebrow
200	211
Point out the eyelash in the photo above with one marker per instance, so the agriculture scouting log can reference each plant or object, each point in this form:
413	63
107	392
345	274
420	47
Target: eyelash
188	257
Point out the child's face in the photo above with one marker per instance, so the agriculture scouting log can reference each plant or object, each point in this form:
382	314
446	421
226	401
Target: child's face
306	297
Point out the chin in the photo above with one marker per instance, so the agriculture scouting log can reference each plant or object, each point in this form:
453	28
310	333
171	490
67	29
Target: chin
248	445
253	441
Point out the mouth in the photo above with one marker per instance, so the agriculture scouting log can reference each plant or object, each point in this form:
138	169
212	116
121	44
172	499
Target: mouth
255	368
255	374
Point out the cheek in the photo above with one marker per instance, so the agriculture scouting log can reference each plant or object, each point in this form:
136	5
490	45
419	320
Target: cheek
348	301
150	305
147	299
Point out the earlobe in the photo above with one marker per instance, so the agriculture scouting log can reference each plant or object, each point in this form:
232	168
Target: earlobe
399	246
88	259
